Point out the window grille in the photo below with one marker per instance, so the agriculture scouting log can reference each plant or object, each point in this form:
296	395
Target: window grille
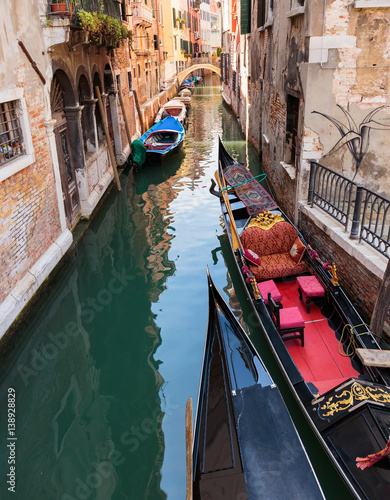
234	81
11	141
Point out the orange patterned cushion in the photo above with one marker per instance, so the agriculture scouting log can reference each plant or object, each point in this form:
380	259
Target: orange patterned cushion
297	251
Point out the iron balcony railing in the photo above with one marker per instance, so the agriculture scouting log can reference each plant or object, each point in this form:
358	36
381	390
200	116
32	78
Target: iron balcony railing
351	203
66	7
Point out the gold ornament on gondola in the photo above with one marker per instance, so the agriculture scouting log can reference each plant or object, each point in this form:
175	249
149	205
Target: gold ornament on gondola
266	220
355	394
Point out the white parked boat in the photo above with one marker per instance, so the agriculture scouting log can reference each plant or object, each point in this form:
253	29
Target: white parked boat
174	108
184	96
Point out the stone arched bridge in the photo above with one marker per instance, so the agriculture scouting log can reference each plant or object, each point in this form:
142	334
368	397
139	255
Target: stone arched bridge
194	66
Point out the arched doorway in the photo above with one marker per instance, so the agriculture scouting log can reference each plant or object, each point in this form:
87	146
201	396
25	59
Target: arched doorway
61	95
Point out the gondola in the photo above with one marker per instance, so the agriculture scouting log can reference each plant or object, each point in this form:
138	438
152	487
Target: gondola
163	139
317	337
245	443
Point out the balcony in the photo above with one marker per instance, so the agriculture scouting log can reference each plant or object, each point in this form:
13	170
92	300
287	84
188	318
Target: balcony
142	14
68	8
63	23
141	45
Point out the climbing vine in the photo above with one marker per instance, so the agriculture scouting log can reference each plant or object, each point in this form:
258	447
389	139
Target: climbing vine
103	29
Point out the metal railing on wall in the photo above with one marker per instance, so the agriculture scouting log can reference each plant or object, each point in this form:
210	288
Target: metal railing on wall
202	60
351	204
109	7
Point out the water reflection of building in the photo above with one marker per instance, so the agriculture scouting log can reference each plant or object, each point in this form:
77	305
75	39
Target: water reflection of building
89	411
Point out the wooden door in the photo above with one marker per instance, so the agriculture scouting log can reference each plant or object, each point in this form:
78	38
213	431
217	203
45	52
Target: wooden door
67	171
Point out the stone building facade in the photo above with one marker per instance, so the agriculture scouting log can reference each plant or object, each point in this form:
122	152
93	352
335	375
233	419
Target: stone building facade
319	70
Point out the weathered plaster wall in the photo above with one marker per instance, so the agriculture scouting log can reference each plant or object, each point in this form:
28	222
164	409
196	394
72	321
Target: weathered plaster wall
352	73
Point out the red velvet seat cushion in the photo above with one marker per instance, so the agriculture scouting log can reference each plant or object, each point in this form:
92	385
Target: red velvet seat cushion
276	266
269	286
291	318
310	286
273	247
278	239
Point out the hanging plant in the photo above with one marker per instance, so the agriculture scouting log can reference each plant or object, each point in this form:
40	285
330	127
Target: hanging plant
103	29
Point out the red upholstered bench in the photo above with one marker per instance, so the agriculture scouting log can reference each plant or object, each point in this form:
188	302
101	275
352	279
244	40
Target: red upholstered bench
273	249
309	288
269	286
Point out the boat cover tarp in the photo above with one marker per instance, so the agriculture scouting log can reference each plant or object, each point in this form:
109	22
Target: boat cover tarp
275	464
139	152
251	193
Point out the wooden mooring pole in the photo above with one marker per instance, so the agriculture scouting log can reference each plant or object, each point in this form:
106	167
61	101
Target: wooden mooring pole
124	116
107	134
189	442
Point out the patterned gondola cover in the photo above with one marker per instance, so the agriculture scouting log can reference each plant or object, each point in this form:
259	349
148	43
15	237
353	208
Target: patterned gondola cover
251	193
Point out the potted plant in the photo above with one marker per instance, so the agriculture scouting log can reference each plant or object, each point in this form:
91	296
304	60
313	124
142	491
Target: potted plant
66	7
59	7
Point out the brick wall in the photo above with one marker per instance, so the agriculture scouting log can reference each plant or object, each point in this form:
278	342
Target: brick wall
361	286
29	217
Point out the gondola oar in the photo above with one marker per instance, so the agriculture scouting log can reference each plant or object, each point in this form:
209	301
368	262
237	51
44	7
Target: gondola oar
236	241
222	187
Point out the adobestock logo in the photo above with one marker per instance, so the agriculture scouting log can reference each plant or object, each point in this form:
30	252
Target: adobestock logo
104	475
86	313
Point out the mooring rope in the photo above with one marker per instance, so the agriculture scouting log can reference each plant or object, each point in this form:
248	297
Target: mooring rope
352	339
263	175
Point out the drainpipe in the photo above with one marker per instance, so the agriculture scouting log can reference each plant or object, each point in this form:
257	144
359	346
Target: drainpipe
247	99
158	45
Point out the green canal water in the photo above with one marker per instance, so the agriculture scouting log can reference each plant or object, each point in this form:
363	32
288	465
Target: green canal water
104	364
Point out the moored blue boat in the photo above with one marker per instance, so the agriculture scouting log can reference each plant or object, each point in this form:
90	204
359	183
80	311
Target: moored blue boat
163	139
187	84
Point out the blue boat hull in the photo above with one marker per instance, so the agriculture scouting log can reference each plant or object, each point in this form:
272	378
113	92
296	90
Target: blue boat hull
163	139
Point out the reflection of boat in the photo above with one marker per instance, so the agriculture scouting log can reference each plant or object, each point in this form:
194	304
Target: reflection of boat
185	97
164	138
346	403
245	443
174	108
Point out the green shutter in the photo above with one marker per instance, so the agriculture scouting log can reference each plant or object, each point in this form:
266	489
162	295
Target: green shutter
245	17
174	16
